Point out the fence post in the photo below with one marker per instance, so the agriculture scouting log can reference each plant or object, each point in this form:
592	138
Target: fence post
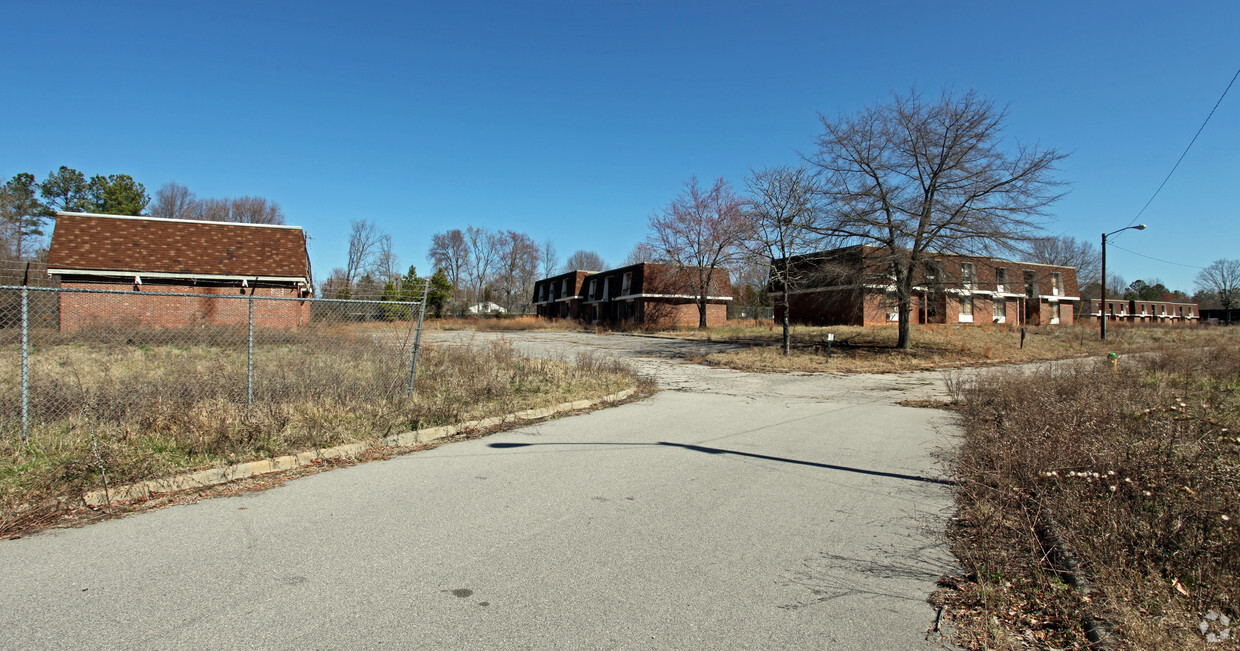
25	362
417	337
249	357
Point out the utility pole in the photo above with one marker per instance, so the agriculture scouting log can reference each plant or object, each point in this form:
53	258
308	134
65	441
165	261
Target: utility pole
1102	305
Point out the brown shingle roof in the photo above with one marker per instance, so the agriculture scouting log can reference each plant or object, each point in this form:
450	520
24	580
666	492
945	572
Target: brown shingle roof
145	244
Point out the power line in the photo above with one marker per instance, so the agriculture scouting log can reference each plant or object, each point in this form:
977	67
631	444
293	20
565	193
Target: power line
1178	264
1190	146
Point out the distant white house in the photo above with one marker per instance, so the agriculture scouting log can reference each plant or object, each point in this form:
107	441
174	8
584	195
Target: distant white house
486	308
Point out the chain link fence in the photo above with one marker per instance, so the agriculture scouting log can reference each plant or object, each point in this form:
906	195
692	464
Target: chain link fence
75	358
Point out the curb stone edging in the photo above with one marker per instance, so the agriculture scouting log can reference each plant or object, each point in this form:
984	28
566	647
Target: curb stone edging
216	476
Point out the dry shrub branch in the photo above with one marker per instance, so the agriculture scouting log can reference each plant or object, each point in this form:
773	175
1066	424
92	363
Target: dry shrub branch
1137	471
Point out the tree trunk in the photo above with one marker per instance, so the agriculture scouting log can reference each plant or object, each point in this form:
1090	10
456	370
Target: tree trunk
702	311
787	329
904	303
905	340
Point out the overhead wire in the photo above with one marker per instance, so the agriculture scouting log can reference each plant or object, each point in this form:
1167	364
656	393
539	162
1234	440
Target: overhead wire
1190	146
1178	264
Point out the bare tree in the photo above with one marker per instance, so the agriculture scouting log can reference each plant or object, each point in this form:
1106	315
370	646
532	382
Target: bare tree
483	251
1222	279
173	201
1067	251
335	285
450	253
782	222
584	261
255	210
916	177
700	232
641	252
365	241
387	263
518	262
211	210
550	261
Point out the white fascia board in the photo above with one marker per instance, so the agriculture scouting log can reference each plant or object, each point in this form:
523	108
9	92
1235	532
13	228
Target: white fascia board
152	274
633	296
176	221
709	298
566	298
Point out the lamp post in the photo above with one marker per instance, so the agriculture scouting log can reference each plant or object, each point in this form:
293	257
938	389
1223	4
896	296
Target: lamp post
1102	305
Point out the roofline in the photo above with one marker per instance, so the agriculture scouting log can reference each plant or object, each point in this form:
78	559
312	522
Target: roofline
932	254
179	221
124	273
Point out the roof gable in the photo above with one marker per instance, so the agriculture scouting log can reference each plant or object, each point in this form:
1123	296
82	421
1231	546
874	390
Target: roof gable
176	246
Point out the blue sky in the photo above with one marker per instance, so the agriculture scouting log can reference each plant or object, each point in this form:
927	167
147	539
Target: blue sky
574	121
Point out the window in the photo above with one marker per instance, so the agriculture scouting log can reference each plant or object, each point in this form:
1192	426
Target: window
1031	286
1000	310
1056	283
542	292
1162	310
593	287
967	275
564	287
1000	280
891	303
626	284
966	309
606	288
1055	313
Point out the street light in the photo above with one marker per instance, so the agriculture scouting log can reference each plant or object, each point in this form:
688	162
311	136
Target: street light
1102	305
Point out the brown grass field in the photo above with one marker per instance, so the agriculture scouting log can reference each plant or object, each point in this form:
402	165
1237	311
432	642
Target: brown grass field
105	407
872	349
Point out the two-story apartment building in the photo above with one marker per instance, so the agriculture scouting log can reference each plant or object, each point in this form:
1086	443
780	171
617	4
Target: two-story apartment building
559	297
1120	310
646	293
855	286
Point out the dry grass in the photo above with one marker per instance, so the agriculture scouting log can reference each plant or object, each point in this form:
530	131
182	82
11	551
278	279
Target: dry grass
872	349
1137	472
135	412
506	324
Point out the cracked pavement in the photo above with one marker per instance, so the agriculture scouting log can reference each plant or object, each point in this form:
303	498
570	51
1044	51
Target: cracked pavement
730	510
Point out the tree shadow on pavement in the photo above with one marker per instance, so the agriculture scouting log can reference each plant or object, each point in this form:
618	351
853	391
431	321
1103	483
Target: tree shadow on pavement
707	450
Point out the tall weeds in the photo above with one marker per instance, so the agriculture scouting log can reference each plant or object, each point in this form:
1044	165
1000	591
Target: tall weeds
1137	467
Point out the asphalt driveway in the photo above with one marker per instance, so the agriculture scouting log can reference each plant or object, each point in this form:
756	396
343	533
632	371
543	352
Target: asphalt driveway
730	510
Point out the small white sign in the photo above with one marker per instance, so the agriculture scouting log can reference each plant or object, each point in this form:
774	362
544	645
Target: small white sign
830	336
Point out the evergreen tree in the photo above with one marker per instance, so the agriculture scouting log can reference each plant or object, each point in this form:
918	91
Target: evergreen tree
21	213
411	286
116	194
65	189
440	292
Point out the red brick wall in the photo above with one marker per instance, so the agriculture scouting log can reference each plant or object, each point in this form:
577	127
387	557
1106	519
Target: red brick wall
663	314
153	309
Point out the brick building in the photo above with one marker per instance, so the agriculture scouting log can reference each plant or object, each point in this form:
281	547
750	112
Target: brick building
559	297
854	286
1119	310
647	293
158	257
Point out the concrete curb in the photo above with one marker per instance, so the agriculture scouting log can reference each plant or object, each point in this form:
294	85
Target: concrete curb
216	476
